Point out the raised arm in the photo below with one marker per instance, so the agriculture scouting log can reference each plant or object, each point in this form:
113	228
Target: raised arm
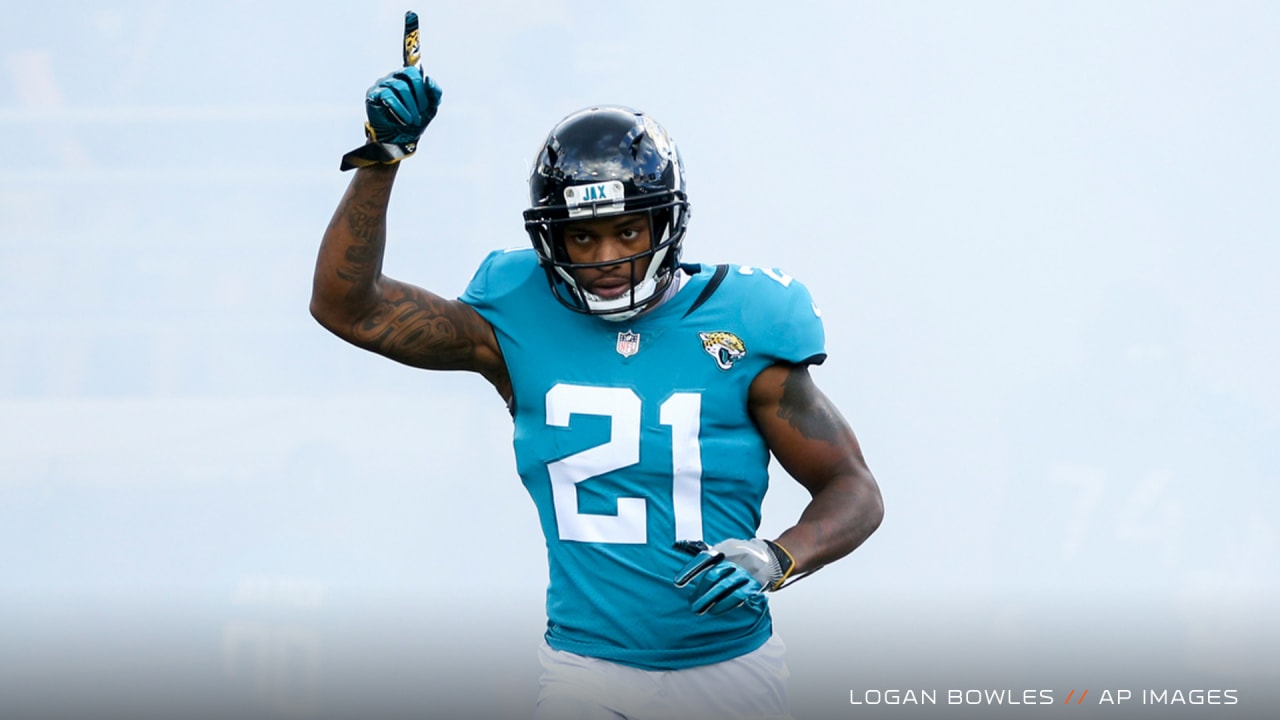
352	298
816	446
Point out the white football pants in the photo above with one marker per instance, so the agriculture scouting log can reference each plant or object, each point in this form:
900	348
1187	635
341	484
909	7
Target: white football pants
574	687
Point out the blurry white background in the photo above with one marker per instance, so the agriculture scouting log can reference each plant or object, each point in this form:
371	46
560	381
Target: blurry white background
1044	237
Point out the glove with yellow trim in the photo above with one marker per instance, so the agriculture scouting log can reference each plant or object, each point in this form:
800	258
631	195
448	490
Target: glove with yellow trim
767	561
398	107
752	567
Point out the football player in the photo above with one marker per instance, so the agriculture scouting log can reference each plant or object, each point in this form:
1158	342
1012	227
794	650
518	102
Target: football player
657	602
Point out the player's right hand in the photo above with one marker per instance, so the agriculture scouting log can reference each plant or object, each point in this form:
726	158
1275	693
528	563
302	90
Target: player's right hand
400	106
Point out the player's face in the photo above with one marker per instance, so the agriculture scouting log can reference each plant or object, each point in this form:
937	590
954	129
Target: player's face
610	241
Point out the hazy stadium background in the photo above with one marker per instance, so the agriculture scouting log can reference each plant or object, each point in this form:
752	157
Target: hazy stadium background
1043	236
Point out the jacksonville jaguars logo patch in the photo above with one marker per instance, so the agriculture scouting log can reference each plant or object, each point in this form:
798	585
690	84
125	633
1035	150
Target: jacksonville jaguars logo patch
725	347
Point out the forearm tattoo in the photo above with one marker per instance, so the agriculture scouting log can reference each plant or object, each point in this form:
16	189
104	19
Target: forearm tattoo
366	223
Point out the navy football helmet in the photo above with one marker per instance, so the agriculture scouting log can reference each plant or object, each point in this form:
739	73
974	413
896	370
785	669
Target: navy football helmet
602	161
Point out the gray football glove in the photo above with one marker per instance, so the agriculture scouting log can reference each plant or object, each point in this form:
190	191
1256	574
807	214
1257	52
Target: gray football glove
732	573
767	561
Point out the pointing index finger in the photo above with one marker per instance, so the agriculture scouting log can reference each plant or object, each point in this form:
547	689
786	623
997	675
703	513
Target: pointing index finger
412	49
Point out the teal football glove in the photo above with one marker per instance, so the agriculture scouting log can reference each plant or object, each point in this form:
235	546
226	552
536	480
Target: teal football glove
718	586
398	108
733	573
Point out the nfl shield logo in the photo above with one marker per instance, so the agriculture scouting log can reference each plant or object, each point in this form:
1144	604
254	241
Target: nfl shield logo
628	343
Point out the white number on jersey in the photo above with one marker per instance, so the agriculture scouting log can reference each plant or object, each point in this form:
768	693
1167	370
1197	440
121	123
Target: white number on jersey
681	412
773	273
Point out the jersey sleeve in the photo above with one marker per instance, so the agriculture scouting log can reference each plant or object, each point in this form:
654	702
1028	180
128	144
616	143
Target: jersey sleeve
480	292
509	291
792	321
501	288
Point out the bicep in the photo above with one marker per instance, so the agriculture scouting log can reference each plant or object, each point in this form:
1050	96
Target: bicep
803	428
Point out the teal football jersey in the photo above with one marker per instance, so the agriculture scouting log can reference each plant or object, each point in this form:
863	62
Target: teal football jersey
632	435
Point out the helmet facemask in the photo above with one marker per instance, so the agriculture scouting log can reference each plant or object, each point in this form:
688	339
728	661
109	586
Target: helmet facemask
666	230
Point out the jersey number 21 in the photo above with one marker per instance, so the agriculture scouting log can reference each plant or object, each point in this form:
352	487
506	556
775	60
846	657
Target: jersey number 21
622	406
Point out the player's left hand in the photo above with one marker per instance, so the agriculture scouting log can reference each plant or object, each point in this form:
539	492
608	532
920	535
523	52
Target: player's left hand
767	561
719	585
